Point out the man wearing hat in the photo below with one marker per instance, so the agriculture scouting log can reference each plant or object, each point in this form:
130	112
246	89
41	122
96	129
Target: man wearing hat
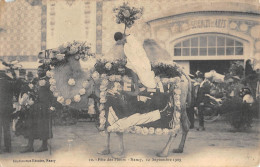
202	101
6	97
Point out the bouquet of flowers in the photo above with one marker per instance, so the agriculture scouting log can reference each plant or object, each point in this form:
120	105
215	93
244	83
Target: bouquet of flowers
127	15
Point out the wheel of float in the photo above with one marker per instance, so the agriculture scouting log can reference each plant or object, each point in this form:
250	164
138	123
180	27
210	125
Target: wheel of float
210	115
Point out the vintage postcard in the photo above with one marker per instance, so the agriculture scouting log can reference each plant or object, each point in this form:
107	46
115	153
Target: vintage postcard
129	83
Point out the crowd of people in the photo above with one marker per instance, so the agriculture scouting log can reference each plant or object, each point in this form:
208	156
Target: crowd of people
206	88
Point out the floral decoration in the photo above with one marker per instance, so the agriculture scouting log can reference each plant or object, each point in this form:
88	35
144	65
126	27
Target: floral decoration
127	15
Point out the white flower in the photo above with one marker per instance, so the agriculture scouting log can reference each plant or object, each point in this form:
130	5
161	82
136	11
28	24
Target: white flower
102	121
73	50
151	130
145	131
138	129
52	67
177	103
60	99
49	74
101	107
55	94
108	66
103	76
103	100
82	91
30	86
165	131
109	129
71	82
126	13
77	98
103	94
95	75
52	81
177	91
112	78
158	131
103	88
178	115
42	82
104	82
85	84
67	101
52	108
30	102
177	97
52	88
118	77
60	56
102	113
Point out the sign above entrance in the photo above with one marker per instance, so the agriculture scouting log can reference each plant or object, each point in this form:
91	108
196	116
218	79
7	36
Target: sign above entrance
208	23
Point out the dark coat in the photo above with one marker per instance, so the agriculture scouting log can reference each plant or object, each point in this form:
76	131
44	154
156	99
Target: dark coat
6	94
37	122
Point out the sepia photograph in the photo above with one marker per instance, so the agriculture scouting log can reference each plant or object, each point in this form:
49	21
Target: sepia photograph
131	83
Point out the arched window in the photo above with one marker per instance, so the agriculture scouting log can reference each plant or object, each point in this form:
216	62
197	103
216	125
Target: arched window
209	45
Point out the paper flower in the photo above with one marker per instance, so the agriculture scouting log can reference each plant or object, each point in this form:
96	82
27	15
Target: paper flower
30	86
165	131
102	113
158	131
30	102
104	82
177	98
108	66
55	94
60	99
112	78
82	91
138	129
103	76
49	74
151	130
101	107
53	88
60	56
145	131
52	108
118	77
103	95
103	88
103	100
52	81
42	82
73	50
67	101
85	84
71	82
102	120
177	91
95	76
77	98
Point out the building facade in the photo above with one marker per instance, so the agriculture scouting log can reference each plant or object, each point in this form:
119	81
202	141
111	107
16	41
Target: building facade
199	34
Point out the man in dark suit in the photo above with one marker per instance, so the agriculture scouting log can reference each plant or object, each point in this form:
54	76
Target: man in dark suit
6	107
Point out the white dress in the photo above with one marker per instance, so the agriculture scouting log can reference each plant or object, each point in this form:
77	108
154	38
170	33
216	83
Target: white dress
138	61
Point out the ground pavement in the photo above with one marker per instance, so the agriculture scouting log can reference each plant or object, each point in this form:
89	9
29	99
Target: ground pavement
77	145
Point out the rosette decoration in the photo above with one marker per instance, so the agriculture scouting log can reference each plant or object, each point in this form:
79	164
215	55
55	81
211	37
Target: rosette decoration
70	84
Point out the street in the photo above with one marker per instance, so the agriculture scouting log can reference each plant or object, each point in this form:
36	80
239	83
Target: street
77	145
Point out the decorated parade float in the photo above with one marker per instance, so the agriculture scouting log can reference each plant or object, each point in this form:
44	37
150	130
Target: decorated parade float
111	83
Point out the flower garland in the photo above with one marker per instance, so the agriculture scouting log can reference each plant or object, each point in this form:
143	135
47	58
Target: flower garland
76	98
116	79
